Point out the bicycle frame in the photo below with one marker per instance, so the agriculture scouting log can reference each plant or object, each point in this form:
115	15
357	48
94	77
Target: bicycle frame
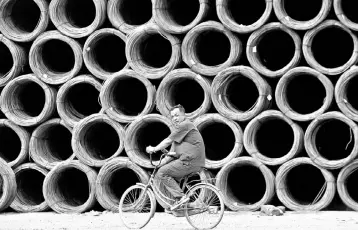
200	200
150	185
159	195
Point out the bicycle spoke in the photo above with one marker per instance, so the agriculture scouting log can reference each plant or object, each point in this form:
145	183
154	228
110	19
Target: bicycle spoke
136	207
208	207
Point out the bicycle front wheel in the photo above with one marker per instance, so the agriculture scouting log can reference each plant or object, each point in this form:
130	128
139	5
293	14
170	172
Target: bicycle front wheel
136	206
205	208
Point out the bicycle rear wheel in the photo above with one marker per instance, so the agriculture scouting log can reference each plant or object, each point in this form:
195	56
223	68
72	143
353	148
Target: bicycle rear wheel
137	206
205	208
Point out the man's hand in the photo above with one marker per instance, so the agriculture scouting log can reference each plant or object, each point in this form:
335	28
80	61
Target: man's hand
150	149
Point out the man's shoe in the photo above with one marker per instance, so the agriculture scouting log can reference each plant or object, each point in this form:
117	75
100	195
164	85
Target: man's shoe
177	204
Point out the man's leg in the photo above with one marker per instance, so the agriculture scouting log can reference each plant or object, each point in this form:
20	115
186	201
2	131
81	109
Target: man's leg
165	179
166	183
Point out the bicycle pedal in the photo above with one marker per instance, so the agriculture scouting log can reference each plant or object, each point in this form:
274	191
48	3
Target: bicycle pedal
181	202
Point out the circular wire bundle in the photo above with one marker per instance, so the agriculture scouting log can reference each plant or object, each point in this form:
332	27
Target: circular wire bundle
23	201
19	59
13	108
342	189
310	140
24	138
190	44
253	127
7	185
10	29
61	20
80	145
56	200
281	93
131	138
67	112
104	192
341	93
286	198
254	57
226	18
44	72
134	52
221	101
40	150
208	119
108	95
281	14
89	56
309	55
338	9
164	96
222	184
118	20
165	20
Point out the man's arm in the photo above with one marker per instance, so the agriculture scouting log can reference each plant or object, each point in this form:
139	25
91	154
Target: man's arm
162	145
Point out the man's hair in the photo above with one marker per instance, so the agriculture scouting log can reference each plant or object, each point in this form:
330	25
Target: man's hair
180	107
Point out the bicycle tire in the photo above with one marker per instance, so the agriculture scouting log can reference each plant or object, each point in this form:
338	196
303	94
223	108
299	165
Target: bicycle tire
130	213
208	204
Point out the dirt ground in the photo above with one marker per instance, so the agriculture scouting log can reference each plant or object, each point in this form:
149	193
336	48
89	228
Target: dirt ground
334	220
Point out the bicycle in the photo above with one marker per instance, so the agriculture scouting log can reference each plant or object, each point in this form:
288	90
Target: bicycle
204	210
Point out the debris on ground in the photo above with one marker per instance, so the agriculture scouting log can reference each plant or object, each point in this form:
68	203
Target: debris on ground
271	210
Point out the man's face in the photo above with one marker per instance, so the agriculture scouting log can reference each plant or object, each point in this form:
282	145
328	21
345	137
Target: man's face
177	116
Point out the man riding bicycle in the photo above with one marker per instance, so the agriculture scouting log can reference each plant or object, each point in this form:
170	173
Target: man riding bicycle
186	156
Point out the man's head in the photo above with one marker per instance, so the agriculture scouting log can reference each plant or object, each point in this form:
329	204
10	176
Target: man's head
177	114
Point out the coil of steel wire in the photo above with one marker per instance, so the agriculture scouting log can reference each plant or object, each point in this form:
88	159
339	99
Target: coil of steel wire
114	178
141	39
124	89
39	65
163	15
7	185
281	14
311	135
67	100
12	66
208	119
322	200
344	185
250	137
29	197
13	21
283	102
226	15
124	15
97	139
64	21
16	100
14	143
254	56
233	202
192	39
341	93
221	97
90	52
50	143
310	57
166	93
70	187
